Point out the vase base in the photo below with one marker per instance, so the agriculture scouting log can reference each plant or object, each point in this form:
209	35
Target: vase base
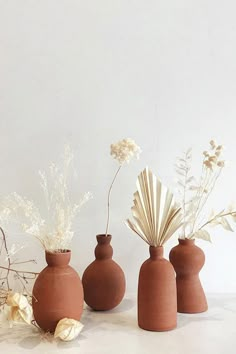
158	329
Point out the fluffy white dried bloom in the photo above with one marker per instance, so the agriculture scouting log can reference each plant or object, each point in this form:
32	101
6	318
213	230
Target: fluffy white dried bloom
52	228
19	308
68	329
124	150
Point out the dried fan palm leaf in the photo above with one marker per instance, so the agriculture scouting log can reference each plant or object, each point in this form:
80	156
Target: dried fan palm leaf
156	215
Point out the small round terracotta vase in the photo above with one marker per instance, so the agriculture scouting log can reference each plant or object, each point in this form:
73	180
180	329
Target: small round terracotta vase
57	292
157	306
188	260
103	280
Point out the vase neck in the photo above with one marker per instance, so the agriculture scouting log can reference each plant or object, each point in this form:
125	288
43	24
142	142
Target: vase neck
58	259
103	249
156	252
186	241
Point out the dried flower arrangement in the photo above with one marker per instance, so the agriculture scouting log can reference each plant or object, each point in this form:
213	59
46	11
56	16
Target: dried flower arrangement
122	151
156	215
194	195
54	230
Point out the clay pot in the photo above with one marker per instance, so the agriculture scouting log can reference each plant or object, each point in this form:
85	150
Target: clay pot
188	260
157	307
103	280
57	292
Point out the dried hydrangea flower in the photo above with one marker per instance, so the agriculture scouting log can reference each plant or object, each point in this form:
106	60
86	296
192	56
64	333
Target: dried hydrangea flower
68	329
124	150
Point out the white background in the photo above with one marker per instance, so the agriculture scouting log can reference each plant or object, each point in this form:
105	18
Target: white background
94	72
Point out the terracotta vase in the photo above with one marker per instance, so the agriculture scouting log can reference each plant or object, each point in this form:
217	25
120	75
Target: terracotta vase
57	292
188	260
103	280
157	307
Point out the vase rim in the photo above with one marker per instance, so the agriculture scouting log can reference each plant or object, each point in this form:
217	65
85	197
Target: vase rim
58	258
186	240
56	253
104	235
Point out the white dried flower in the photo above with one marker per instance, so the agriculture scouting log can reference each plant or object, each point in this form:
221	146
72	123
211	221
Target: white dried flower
52	228
124	150
68	329
20	310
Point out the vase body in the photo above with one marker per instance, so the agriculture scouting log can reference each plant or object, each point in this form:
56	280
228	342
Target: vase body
188	260
57	292
157	306
103	280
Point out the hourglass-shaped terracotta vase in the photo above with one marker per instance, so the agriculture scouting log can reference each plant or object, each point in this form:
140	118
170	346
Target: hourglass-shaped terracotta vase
188	260
103	280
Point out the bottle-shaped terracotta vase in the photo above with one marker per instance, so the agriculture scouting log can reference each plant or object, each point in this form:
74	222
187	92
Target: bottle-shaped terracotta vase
157	304
103	280
188	260
57	292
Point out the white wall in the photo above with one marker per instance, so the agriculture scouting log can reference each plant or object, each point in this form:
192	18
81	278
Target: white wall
93	72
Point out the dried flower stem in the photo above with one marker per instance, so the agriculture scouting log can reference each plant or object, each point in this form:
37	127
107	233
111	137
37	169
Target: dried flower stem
202	201
108	198
20	274
184	191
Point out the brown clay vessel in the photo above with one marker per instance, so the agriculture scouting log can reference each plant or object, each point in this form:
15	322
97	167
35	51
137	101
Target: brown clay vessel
188	260
157	307
57	292
103	280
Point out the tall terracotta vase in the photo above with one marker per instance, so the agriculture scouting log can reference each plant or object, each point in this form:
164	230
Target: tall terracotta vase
188	260
57	292
103	280
157	307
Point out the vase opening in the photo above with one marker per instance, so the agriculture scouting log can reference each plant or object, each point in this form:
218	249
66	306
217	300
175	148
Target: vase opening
186	241
58	259
103	239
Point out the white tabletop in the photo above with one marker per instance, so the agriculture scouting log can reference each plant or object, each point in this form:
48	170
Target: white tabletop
116	331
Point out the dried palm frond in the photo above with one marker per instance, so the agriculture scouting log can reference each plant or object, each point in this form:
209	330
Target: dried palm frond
156	215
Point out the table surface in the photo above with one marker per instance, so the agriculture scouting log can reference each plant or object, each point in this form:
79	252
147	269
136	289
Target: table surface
117	331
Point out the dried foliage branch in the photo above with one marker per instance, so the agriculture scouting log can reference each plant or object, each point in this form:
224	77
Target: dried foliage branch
23	277
194	195
156	215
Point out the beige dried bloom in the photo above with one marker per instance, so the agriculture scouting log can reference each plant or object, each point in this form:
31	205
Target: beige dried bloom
211	160
208	164
124	150
213	144
68	329
221	163
195	192
19	308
